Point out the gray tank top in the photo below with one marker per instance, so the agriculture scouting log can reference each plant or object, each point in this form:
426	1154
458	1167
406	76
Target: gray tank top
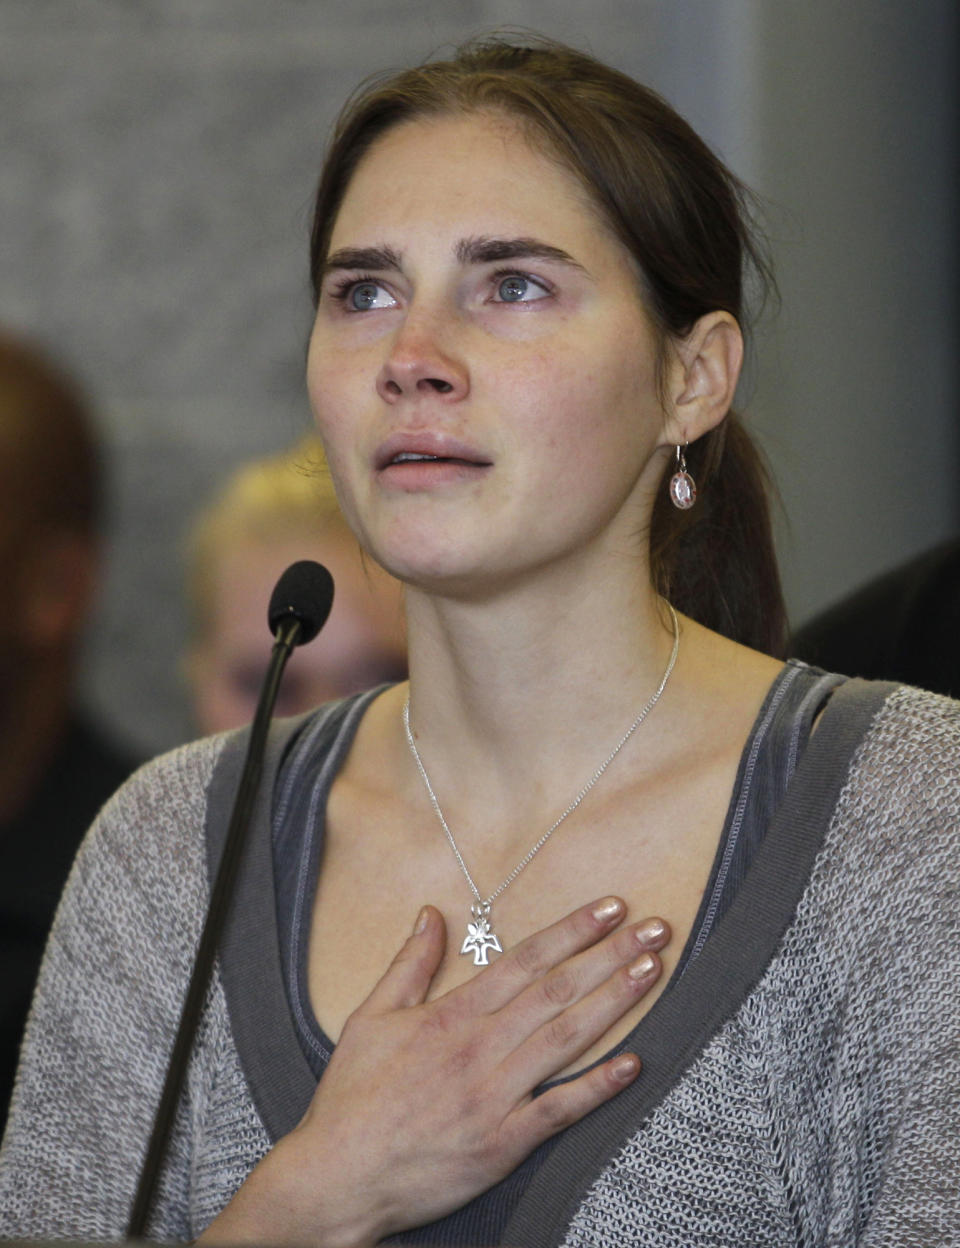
767	764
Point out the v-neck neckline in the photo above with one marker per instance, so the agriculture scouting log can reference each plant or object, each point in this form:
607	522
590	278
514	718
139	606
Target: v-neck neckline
669	1037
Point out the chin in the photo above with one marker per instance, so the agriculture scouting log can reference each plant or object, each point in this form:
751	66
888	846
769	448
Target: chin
446	574
424	556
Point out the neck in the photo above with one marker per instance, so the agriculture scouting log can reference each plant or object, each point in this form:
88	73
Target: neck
515	701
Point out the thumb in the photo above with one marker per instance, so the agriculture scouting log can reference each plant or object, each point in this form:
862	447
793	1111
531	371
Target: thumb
408	977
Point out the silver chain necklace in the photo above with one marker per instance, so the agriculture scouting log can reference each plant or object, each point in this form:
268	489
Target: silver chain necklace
481	938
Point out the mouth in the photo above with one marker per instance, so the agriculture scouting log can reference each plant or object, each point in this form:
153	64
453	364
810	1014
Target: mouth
413	457
402	452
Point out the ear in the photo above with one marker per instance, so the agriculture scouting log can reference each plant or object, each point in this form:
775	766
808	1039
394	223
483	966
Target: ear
703	377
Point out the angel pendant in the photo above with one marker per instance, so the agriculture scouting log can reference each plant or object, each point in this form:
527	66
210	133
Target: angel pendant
480	940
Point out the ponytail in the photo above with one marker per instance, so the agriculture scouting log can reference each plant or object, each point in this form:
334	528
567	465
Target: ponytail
716	562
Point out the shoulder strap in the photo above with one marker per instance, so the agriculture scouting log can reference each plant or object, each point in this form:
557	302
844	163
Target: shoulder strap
249	952
680	1025
226	777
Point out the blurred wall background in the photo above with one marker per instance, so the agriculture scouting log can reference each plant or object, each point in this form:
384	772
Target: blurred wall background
157	165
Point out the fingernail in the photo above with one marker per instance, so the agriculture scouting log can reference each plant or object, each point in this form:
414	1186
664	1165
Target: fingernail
642	967
625	1068
652	929
607	910
422	919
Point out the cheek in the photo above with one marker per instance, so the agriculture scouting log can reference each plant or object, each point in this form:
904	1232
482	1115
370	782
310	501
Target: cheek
325	392
592	413
330	385
331	405
597	429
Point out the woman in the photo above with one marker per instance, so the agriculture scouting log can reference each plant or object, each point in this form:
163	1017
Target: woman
529	299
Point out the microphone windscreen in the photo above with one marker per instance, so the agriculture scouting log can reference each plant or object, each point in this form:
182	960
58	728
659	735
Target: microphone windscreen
304	591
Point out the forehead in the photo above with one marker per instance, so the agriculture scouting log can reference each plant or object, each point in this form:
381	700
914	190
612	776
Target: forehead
473	174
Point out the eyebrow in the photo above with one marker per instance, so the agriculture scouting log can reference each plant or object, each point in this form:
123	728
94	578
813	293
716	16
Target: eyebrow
479	250
488	250
376	258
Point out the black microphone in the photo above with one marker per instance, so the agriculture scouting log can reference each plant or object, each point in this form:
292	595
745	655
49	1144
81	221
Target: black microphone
299	607
303	596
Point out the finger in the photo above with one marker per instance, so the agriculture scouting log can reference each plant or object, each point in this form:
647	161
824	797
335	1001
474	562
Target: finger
570	1033
563	986
653	933
562	1106
532	958
408	977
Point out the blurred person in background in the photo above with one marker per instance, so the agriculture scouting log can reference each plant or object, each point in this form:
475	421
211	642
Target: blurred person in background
902	625
269	514
56	766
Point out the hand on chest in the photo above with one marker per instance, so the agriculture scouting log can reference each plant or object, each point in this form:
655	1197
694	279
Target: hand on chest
377	871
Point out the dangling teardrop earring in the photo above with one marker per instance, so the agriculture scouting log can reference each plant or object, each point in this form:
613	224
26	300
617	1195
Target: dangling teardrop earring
683	488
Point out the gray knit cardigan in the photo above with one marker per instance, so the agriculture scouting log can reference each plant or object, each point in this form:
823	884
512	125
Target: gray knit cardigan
801	1082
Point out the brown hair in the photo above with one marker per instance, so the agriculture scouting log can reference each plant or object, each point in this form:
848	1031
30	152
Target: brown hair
685	219
48	441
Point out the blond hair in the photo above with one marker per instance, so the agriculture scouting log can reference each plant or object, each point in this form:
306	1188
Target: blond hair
289	494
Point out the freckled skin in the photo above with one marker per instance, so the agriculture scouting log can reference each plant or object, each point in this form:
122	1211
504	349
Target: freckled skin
557	390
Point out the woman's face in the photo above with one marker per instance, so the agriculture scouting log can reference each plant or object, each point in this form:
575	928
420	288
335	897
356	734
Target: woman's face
482	370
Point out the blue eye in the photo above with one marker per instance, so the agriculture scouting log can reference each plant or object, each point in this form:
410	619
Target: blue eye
363	296
512	289
515	288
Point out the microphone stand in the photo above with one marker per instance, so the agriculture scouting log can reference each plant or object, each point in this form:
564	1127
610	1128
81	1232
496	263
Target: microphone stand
288	635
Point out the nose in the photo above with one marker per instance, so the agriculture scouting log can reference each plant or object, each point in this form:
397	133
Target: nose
419	364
